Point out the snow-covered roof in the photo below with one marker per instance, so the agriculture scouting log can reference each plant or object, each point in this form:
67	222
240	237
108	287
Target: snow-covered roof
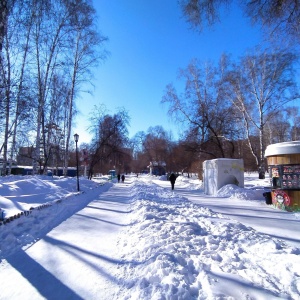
292	147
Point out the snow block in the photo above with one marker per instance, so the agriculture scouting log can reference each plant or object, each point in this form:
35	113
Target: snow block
221	171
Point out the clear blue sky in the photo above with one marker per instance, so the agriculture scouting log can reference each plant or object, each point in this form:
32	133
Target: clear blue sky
148	42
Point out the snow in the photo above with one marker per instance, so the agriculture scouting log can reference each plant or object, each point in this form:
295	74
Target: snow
141	240
292	147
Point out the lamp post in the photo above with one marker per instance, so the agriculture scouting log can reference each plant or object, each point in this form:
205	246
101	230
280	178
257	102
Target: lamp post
76	137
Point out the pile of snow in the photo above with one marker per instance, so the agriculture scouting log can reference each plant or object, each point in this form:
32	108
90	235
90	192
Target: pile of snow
234	192
189	183
21	193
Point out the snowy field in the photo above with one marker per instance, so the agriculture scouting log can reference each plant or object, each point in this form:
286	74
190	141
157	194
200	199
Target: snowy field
140	240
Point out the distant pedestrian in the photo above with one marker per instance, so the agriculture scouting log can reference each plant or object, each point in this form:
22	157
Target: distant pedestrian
123	178
172	179
119	177
1	214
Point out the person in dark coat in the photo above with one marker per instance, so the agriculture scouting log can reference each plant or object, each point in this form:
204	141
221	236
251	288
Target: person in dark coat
123	178
172	179
119	177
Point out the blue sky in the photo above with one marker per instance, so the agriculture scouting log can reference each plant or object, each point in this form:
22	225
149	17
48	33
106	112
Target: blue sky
148	42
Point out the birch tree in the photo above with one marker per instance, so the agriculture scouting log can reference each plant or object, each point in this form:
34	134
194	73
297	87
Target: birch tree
82	58
12	73
17	95
261	85
43	43
3	105
49	40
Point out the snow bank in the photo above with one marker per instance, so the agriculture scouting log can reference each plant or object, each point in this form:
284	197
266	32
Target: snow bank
233	191
33	205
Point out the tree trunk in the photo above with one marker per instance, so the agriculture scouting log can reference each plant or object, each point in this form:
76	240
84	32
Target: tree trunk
19	91
71	100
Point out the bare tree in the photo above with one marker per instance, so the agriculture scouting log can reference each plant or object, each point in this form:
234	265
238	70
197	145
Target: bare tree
279	16
181	159
83	57
137	142
155	144
18	97
3	91
279	129
3	23
294	117
140	158
259	87
202	13
9	79
203	109
110	136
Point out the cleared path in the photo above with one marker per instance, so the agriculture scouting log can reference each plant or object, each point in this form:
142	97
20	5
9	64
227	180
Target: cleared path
79	257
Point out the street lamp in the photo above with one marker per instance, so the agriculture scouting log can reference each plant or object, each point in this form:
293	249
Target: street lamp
76	137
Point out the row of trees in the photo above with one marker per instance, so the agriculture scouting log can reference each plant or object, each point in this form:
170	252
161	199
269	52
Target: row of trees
215	127
258	87
47	51
244	100
226	114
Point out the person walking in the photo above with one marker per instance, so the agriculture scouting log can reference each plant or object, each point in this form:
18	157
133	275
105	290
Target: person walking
1	214
123	178
119	177
172	179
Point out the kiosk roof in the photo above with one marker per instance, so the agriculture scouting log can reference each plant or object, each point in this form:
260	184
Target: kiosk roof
292	147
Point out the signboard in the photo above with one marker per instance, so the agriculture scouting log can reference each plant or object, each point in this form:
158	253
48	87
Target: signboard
285	176
281	199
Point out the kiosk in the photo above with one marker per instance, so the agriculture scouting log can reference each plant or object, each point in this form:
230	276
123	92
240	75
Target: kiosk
284	169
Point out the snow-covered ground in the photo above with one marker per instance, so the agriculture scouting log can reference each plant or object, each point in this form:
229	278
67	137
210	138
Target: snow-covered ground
140	240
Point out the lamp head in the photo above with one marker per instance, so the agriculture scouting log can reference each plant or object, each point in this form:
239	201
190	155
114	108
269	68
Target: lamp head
76	137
